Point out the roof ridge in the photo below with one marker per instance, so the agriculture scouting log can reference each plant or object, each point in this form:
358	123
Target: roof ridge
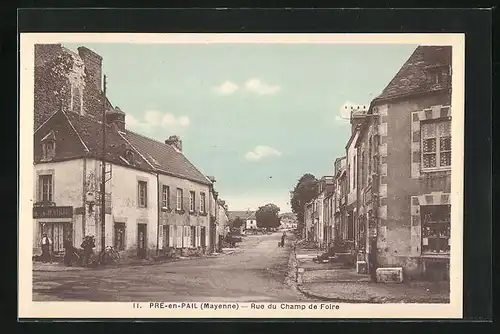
399	71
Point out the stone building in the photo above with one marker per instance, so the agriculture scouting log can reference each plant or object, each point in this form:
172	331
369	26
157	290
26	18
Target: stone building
404	175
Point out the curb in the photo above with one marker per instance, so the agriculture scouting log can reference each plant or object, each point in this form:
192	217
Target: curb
136	264
336	300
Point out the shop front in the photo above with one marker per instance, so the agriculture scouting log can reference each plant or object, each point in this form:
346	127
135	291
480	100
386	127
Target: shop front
432	223
57	223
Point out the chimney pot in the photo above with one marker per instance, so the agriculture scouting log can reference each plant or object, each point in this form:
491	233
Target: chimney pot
174	141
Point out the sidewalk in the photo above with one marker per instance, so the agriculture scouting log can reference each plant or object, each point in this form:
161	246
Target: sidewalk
332	282
58	266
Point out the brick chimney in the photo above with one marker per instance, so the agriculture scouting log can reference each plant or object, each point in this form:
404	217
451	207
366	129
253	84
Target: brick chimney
117	117
174	141
93	66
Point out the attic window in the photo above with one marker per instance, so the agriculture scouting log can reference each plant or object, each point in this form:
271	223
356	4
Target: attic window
49	146
438	75
129	156
49	149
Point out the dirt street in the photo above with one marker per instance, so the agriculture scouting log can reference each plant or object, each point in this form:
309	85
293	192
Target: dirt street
256	272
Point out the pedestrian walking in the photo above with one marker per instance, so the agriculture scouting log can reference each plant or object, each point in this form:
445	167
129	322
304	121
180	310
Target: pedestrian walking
46	244
283	239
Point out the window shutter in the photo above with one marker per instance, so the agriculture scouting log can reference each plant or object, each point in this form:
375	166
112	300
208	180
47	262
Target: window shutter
198	234
171	235
186	236
138	193
160	237
179	237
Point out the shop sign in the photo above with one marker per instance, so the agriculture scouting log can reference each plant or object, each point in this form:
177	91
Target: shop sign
41	212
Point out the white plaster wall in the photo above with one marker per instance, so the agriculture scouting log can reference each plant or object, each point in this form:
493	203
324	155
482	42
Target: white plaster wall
125	208
67	190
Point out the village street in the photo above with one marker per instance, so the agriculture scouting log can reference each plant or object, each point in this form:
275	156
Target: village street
256	272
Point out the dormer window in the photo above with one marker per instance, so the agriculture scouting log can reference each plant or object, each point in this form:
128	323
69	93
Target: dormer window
129	156
438	75
49	146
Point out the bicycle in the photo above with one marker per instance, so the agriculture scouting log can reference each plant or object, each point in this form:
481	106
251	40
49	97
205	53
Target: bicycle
109	255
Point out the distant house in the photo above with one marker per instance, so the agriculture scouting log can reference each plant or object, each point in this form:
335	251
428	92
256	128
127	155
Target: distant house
288	220
247	216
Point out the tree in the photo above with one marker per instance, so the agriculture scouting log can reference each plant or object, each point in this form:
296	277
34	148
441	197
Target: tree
238	222
305	190
267	216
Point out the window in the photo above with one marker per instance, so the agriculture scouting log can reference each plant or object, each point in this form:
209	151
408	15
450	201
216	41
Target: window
179	199
436	144
202	203
129	156
203	236
45	184
193	236
186	238
143	194
165	197
48	149
120	236
435	228
191	201
178	240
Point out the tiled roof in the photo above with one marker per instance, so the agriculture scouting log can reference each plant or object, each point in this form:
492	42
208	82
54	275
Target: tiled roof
413	77
165	158
242	214
90	132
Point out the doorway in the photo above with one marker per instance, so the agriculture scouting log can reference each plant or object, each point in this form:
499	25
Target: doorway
141	240
57	232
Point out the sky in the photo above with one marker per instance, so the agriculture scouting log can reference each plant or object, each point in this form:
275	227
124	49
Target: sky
255	116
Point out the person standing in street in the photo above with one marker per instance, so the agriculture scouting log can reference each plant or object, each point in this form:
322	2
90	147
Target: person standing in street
283	239
88	244
69	251
46	243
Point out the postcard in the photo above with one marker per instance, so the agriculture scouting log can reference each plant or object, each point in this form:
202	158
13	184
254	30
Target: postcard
241	175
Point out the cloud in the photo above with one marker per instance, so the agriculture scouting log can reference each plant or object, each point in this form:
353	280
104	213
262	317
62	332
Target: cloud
227	88
261	88
261	152
155	119
345	111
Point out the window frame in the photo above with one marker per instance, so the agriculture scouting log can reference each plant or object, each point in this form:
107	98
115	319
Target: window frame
165	197
438	138
46	153
203	202
50	187
179	203
140	200
192	201
438	224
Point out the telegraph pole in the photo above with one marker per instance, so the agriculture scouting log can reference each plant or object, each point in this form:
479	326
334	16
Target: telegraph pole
103	171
